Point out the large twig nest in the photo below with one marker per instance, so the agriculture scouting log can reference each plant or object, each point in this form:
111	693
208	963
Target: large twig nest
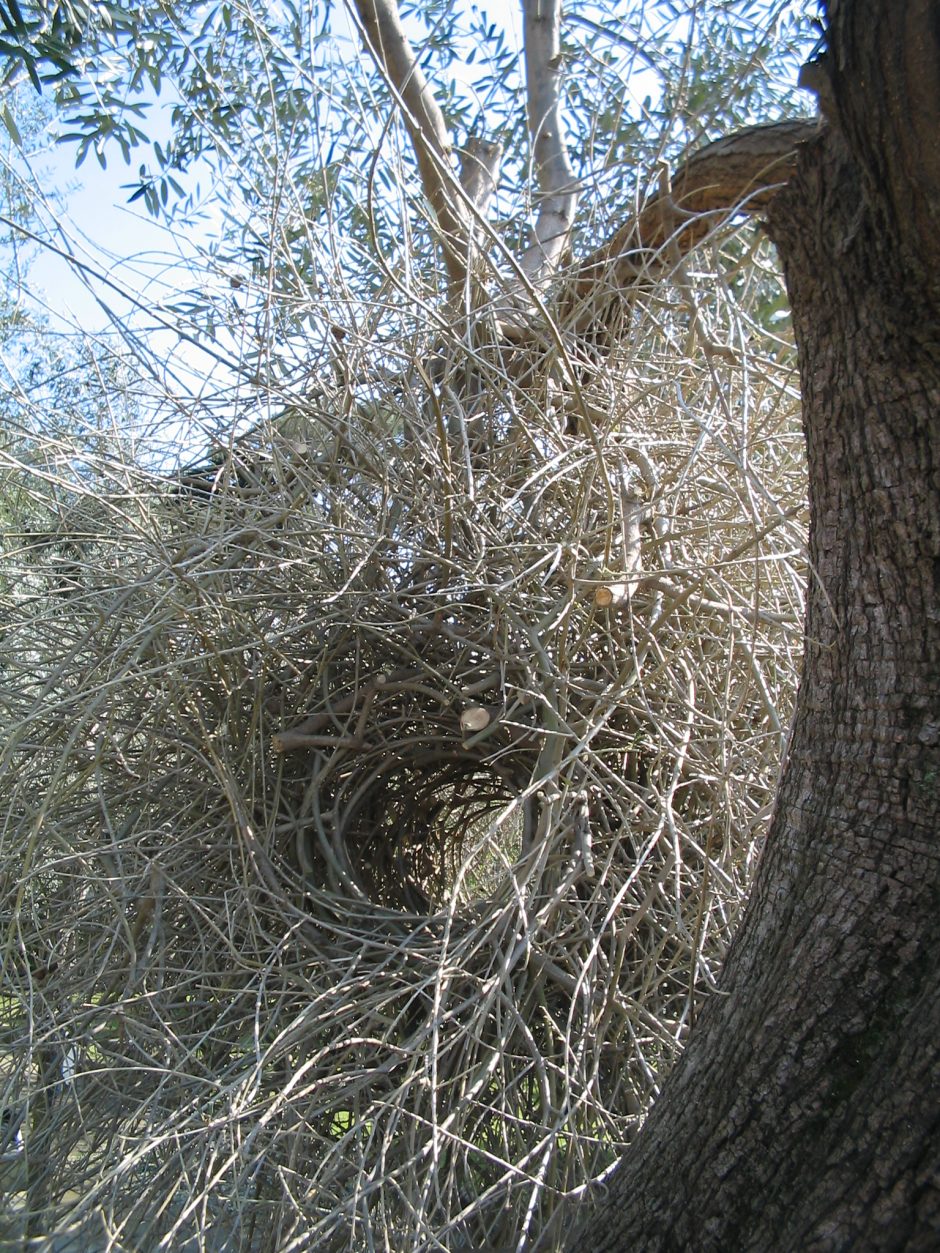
379	803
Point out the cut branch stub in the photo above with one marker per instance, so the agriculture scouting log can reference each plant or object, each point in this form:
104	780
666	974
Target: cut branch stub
475	718
610	595
479	171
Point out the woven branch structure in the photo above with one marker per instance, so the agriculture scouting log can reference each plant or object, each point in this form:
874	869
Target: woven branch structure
379	798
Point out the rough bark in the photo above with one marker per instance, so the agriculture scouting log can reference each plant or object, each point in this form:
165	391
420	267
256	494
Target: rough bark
805	1112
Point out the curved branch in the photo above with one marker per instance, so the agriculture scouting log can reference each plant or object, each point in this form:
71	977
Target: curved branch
558	197
738	174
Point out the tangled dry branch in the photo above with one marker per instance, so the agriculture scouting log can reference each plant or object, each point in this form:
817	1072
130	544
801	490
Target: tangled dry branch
378	799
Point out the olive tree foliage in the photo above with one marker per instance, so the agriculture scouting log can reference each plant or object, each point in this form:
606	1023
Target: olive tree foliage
64	404
269	99
384	781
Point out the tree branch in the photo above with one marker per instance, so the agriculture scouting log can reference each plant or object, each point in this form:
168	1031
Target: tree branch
388	44
738	174
558	196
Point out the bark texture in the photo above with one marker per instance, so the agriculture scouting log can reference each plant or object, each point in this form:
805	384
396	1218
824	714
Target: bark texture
805	1113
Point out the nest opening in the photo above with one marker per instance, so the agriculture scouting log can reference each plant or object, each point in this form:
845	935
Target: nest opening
430	826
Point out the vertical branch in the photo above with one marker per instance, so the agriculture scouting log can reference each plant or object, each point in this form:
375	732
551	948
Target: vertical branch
388	44
558	197
479	175
479	171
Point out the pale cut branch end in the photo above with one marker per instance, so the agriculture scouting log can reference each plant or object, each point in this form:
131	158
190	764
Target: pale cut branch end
475	718
479	171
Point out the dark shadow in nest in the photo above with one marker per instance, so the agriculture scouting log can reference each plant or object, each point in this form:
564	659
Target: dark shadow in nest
408	833
407	816
408	827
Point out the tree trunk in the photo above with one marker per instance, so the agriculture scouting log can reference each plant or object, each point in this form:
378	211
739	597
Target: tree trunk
805	1113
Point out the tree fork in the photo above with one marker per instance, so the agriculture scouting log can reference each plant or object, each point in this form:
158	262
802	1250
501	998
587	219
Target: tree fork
805	1112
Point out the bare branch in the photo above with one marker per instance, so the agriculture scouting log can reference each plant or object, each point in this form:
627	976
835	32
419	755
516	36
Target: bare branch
388	44
558	195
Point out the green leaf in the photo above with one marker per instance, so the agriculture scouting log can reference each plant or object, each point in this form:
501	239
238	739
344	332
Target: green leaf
16	15
10	124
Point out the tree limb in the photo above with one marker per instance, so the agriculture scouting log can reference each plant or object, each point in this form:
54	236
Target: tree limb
388	44
558	194
738	174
